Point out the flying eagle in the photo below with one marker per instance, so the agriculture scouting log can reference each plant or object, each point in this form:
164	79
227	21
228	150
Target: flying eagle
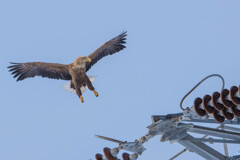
74	72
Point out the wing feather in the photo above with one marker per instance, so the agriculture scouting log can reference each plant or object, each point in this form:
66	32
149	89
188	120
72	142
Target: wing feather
114	45
22	71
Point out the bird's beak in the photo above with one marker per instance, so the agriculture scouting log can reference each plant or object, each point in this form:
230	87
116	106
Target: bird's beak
89	59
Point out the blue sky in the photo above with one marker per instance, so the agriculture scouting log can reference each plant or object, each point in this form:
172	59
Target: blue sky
171	45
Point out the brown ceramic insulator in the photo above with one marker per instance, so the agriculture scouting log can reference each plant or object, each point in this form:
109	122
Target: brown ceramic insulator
198	110
219	118
236	111
125	156
217	105
108	154
206	99
239	90
223	96
233	91
228	115
98	156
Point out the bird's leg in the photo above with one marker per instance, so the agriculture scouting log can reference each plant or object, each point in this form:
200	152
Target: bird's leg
79	94
72	85
78	91
90	86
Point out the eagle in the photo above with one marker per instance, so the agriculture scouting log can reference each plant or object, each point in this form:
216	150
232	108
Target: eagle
74	72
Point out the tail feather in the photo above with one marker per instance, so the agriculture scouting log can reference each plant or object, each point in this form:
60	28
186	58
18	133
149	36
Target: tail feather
68	88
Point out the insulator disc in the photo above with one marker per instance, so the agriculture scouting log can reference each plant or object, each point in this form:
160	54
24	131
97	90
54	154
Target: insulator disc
224	94
98	156
228	115
236	111
108	155
239	90
218	117
233	91
206	99
217	105
125	156
198	110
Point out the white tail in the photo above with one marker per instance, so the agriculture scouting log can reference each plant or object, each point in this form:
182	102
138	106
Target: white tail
83	89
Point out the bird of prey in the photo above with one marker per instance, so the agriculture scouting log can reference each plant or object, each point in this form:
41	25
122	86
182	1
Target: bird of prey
74	72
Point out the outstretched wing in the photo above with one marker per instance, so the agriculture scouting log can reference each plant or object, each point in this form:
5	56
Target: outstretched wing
109	48
32	69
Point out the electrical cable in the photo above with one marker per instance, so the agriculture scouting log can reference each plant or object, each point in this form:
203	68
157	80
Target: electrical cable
212	75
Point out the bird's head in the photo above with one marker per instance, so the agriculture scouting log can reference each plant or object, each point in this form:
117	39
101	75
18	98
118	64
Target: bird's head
81	61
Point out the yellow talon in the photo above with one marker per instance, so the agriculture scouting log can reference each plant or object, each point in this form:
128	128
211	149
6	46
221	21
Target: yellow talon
81	98
96	94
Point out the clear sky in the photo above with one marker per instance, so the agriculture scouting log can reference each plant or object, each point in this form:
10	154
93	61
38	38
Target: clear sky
171	45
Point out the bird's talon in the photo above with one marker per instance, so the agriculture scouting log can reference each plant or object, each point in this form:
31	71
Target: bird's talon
96	93
81	98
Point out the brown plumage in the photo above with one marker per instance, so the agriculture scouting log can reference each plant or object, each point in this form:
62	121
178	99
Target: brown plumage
75	72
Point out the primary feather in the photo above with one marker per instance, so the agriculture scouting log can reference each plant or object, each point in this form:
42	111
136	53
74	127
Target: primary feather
32	69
